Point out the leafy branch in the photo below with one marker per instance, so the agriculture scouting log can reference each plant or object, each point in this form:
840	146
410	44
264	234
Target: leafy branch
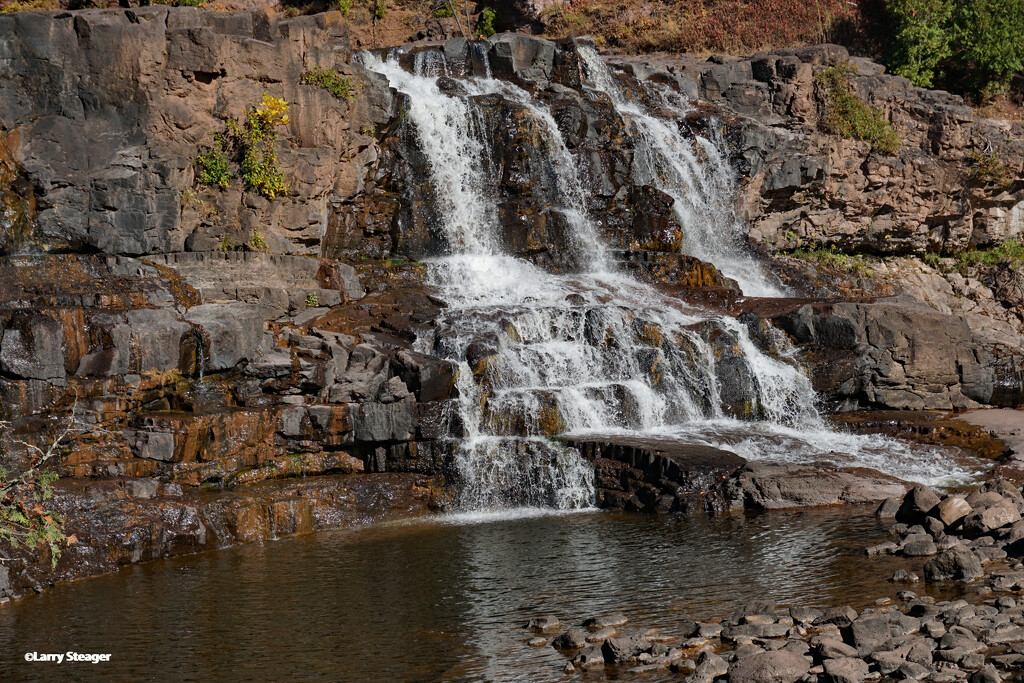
24	520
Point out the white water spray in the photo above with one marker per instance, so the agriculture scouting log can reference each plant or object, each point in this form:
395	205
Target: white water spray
595	351
695	173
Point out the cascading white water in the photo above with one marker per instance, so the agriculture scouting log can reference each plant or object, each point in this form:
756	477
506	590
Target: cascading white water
594	351
695	173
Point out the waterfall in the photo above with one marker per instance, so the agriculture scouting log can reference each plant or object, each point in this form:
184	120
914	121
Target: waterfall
592	351
696	174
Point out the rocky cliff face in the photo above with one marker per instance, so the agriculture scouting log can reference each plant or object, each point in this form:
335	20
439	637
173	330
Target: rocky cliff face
207	338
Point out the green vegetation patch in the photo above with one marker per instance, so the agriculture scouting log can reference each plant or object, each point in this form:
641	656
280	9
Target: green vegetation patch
253	144
988	167
212	165
977	45
849	116
485	26
833	258
342	87
1009	252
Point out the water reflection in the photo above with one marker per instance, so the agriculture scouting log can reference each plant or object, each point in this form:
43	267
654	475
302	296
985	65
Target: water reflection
434	600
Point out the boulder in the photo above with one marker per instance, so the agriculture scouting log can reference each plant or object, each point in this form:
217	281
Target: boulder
846	670
952	509
830	648
839	616
617	650
769	667
544	624
918	546
710	666
996	516
589	658
570	639
870	631
917	504
613	620
771	486
956	564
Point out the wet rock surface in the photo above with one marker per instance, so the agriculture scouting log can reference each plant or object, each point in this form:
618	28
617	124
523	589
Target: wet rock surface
125	520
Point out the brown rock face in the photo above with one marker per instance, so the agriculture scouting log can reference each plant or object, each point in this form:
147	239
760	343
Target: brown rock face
161	82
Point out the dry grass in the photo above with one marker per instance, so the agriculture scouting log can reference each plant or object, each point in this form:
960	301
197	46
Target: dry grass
707	26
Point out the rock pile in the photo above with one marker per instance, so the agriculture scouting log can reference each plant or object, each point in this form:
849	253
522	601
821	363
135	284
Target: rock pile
914	639
960	533
966	537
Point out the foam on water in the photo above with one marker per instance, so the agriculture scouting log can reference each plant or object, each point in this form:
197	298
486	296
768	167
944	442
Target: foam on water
596	351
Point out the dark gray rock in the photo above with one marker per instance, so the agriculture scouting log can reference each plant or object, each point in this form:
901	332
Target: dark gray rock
710	666
570	639
804	614
544	624
32	348
616	650
615	620
829	648
986	674
589	658
868	632
846	670
840	616
888	508
764	607
916	505
996	516
769	667
955	564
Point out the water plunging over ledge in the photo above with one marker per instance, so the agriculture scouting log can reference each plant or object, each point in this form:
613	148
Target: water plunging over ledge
593	350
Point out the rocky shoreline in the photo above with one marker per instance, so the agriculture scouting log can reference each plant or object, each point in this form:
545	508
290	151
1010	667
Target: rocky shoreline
972	540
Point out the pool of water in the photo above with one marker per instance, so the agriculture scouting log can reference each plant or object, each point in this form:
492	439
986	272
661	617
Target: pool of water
441	599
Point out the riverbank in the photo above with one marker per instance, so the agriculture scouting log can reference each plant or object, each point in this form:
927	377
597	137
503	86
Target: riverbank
119	522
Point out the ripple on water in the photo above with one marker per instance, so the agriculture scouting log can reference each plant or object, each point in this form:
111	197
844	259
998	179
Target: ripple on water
438	599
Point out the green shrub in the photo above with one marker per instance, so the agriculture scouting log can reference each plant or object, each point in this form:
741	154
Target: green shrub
1010	251
988	168
922	38
849	116
212	165
833	258
988	35
330	80
975	44
312	300
444	11
260	169
380	9
485	26
343	6
259	243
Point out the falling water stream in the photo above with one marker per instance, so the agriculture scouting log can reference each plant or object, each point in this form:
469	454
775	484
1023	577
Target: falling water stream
595	351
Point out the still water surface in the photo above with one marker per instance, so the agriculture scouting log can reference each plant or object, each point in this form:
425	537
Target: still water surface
434	600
